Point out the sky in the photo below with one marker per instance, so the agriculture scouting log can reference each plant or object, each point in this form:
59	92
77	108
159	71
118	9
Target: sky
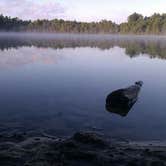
80	10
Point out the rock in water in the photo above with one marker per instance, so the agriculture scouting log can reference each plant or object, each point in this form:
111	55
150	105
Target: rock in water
122	100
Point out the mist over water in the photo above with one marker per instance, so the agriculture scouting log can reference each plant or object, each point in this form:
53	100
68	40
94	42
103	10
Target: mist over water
58	83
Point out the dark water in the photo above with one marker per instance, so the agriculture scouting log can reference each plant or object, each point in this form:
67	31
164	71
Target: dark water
59	83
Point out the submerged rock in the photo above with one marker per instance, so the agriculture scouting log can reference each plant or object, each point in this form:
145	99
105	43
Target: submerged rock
122	100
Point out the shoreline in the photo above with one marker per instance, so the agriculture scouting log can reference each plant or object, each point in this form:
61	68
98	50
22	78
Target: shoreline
83	148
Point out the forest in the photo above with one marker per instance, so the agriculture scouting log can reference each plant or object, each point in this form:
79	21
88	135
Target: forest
136	24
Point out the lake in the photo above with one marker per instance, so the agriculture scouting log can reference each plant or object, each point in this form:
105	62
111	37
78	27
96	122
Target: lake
58	84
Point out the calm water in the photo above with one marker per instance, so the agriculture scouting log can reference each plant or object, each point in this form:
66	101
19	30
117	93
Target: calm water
58	84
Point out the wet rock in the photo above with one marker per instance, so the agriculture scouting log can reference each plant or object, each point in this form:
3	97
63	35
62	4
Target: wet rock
80	154
84	148
157	163
70	144
89	138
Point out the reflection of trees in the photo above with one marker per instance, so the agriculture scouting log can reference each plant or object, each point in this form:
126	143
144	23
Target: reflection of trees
154	47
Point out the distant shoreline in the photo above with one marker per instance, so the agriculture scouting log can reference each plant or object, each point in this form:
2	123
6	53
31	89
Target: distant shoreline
136	24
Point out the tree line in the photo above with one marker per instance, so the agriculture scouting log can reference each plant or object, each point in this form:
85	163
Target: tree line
136	24
12	24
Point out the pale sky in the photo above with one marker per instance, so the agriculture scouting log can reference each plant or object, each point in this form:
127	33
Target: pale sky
80	10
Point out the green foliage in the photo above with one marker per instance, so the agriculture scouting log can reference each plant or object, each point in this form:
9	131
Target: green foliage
72	26
12	24
136	24
135	17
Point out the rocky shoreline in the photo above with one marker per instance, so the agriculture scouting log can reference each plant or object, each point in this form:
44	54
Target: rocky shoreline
82	149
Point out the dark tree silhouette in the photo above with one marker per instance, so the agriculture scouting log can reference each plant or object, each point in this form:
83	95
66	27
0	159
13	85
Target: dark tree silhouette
136	24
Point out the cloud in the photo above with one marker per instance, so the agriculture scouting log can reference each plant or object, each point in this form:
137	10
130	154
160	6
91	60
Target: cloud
28	9
80	10
115	10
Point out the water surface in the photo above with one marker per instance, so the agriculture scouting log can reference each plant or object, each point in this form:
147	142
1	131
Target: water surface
59	83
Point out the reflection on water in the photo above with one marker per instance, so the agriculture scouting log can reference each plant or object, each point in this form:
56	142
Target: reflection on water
18	57
122	100
58	84
134	46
